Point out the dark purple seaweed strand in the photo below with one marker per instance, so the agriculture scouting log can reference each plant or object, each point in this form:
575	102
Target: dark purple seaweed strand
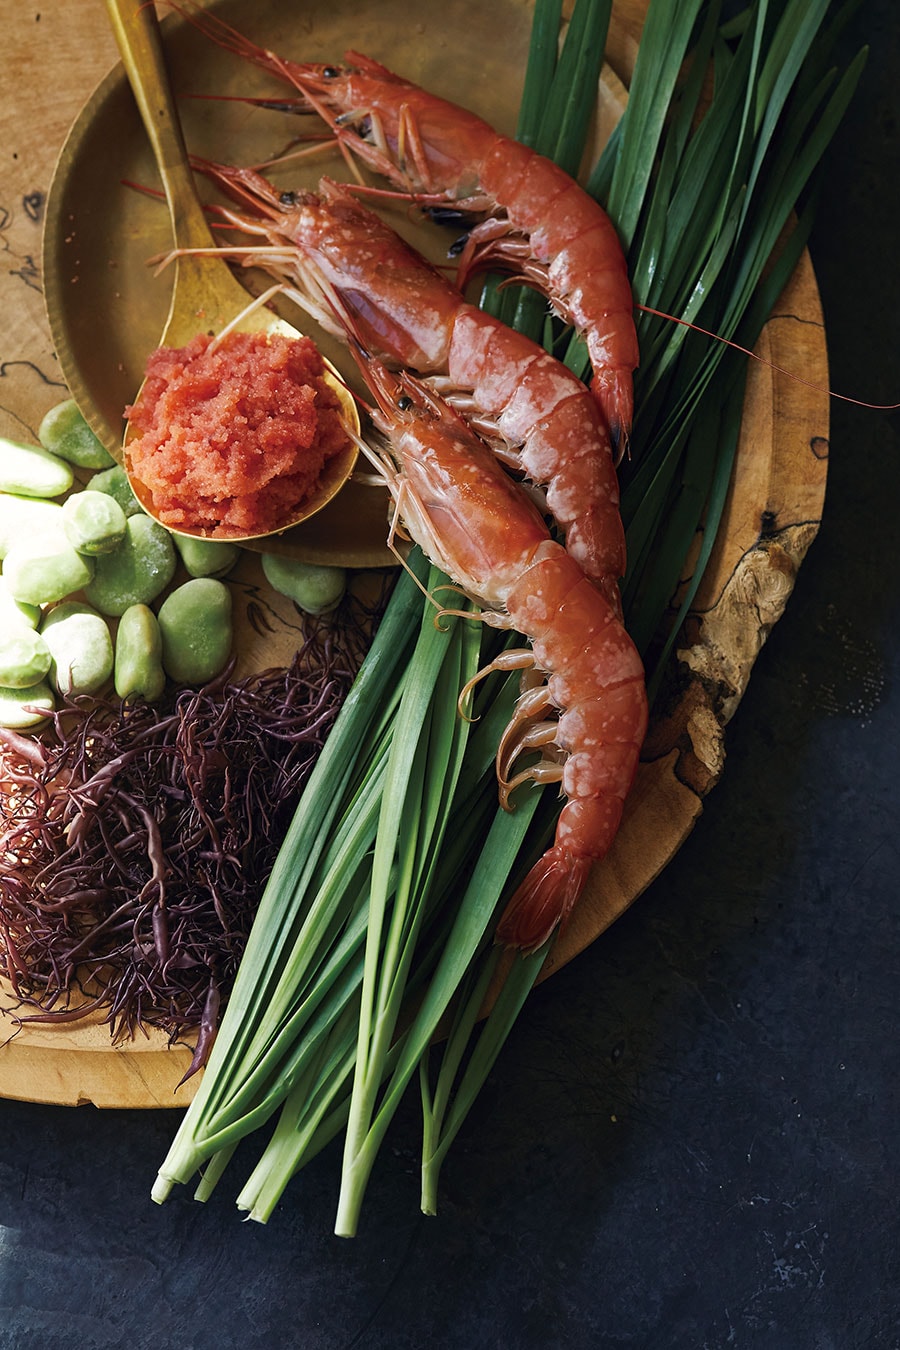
135	840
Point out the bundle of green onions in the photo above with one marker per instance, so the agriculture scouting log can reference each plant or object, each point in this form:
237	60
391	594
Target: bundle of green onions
372	955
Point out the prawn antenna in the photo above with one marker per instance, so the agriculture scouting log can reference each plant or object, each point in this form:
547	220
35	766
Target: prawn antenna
772	365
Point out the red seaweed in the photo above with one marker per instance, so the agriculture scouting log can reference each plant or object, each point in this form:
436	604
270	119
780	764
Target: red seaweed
136	839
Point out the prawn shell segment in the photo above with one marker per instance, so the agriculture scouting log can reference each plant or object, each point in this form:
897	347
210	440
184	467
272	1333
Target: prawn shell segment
487	358
512	377
600	772
588	825
604	661
561	611
583	492
617	716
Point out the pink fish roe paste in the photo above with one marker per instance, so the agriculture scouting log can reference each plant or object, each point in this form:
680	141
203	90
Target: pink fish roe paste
233	439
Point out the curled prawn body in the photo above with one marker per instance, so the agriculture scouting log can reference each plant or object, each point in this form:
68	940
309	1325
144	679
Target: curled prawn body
589	716
346	265
531	218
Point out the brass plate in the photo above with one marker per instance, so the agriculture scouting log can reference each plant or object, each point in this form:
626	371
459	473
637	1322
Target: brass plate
107	309
475	53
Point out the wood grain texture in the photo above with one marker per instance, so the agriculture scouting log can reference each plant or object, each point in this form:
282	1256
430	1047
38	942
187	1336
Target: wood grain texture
772	515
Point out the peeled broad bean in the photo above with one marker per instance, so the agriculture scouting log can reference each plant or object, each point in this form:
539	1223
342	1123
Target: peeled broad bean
139	670
45	567
21	709
22	516
114	482
314	588
13	613
206	557
24	658
197	634
30	471
136	572
81	647
65	432
93	522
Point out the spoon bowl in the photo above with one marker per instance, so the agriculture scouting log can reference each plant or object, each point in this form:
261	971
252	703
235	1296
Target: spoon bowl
206	296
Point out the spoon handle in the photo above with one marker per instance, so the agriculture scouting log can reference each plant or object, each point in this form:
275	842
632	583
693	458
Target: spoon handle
136	29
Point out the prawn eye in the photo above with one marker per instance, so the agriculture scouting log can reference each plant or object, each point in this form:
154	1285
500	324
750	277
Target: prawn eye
404	402
330	73
458	244
287	198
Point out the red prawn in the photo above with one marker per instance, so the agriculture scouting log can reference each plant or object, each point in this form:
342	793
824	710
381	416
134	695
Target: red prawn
532	219
335	255
476	524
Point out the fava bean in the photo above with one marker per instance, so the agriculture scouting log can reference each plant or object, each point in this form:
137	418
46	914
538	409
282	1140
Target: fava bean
15	614
24	658
64	432
45	567
22	516
314	588
139	670
21	709
114	482
196	627
30	471
206	557
80	646
93	522
136	572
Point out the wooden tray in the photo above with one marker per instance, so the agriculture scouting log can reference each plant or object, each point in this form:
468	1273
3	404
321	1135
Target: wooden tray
772	515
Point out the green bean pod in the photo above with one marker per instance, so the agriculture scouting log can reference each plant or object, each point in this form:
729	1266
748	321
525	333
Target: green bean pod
314	588
64	432
24	658
197	634
81	647
136	572
44	567
23	516
30	471
22	709
138	667
114	482
93	522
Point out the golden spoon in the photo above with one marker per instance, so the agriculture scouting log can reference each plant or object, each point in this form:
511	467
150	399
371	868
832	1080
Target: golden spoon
206	297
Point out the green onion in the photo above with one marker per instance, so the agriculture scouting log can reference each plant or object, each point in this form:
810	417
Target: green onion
719	209
690	220
425	763
300	895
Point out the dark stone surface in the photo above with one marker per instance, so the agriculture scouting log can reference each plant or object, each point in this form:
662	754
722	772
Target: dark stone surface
690	1141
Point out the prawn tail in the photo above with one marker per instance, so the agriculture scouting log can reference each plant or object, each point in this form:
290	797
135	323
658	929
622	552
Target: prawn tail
613	391
544	900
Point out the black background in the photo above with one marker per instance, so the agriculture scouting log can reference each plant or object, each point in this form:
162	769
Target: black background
690	1140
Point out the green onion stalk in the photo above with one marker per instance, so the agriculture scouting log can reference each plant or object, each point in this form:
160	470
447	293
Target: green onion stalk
371	960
